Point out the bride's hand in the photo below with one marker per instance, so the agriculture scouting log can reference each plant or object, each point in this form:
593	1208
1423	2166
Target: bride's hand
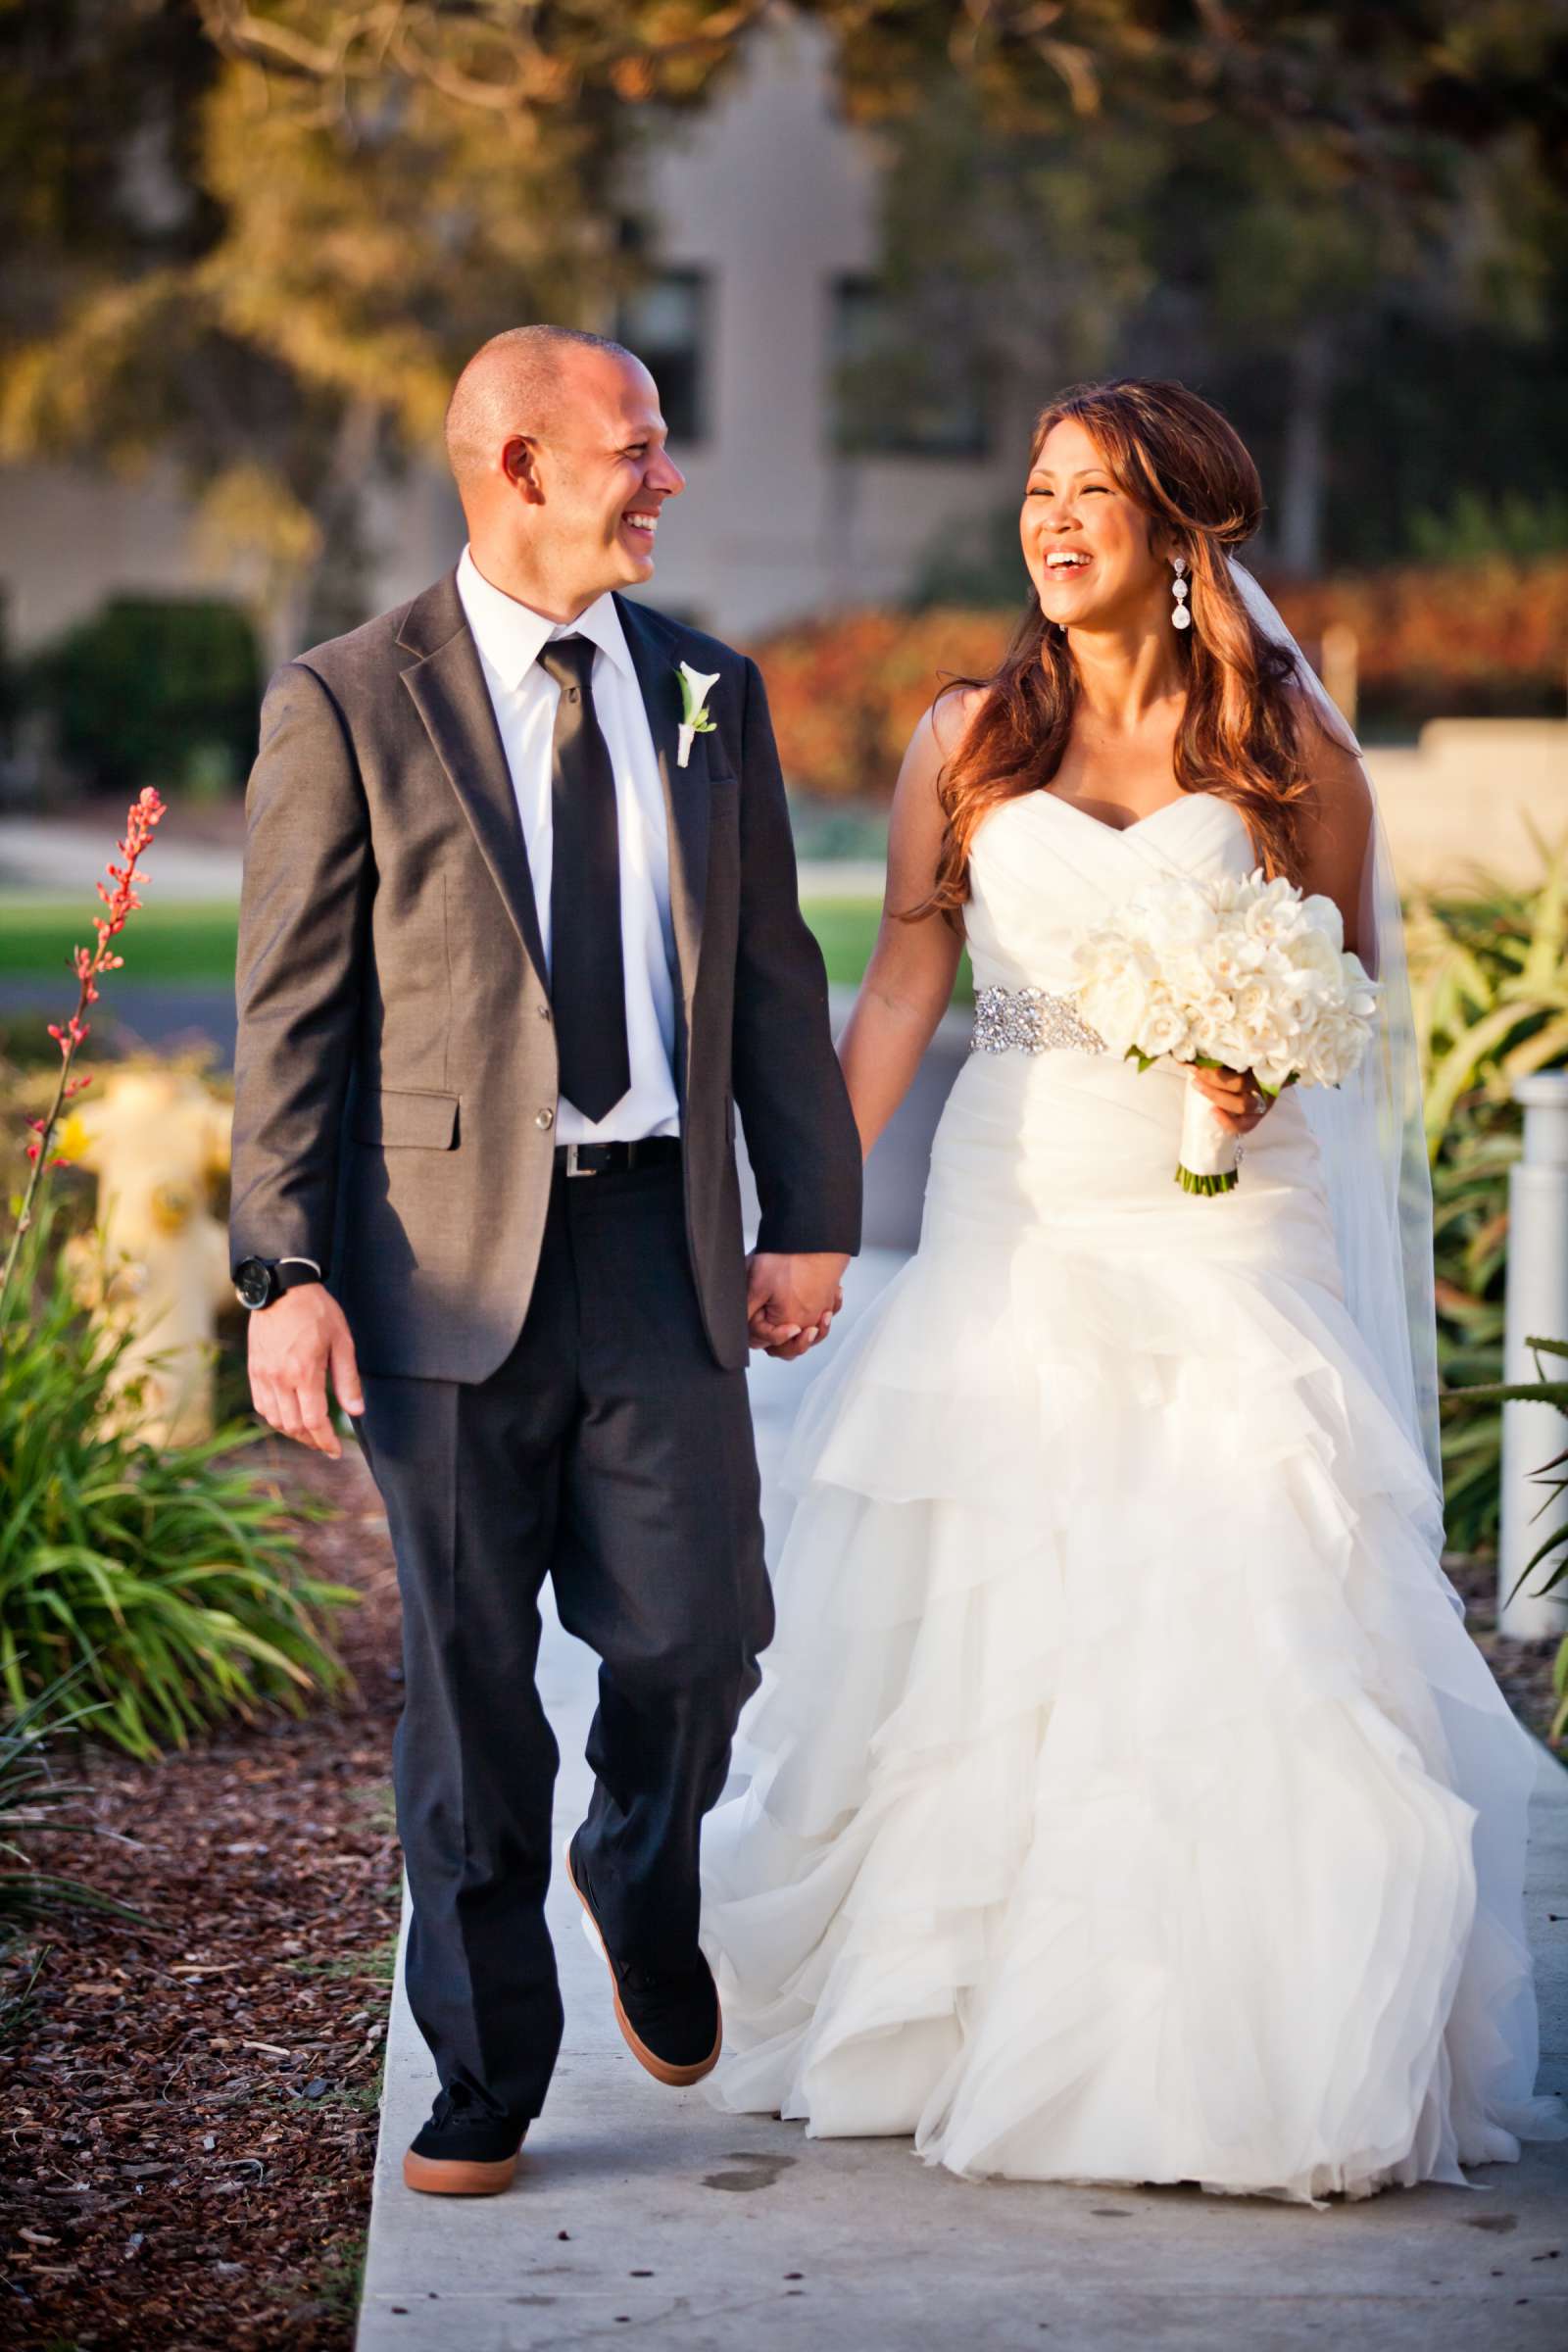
1236	1099
792	1301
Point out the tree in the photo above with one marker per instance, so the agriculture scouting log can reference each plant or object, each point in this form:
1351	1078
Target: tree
1266	264
1246	194
257	236
275	291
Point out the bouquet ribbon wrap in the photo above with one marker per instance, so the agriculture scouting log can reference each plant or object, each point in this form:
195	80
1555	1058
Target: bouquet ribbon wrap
1208	1158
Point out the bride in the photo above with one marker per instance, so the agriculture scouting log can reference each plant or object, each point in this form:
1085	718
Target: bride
1127	1801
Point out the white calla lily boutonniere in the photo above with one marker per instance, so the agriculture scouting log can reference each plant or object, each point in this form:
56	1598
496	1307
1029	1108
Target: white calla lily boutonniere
695	690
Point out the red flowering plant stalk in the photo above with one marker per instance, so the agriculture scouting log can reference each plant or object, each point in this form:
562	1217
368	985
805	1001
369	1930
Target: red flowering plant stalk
90	962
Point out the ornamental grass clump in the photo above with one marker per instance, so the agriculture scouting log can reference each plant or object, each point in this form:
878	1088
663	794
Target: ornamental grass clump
171	1574
168	1578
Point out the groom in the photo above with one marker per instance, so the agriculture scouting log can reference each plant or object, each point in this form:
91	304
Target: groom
519	936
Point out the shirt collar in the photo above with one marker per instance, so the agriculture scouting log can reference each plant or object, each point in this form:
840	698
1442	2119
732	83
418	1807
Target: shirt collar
511	635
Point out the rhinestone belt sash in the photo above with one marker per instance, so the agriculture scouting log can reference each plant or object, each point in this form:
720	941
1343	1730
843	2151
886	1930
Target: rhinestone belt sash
1030	1021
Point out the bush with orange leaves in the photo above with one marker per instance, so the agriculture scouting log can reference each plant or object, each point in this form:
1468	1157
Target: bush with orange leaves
1487	624
847	692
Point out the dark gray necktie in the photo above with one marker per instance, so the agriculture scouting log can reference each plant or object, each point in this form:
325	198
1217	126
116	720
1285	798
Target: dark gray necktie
587	973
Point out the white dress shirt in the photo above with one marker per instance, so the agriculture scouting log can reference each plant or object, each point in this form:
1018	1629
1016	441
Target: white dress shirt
509	637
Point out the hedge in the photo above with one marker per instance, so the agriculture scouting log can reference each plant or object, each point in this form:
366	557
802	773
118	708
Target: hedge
846	692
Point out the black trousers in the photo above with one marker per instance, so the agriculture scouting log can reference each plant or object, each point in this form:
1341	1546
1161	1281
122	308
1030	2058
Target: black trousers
610	1453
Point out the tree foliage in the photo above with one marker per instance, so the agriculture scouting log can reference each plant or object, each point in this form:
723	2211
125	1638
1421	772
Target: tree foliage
258	235
271	285
1276	258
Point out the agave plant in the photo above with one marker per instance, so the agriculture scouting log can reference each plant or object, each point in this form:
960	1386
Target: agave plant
1554	1477
1490	980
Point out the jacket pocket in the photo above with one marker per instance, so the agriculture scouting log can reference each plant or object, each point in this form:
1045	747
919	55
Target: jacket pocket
406	1115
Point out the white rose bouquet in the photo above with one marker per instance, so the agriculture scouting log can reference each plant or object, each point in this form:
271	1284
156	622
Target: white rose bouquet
1249	976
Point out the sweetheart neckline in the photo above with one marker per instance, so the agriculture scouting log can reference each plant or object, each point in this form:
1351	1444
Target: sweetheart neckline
1119	832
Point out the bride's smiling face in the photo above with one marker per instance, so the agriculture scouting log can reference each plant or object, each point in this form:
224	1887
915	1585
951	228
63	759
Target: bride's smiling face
1086	543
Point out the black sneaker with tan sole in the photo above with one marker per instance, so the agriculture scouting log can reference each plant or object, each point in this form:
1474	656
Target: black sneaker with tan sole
464	2150
669	2022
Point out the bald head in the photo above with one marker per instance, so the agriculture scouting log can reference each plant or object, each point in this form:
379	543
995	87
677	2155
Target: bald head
514	384
558	452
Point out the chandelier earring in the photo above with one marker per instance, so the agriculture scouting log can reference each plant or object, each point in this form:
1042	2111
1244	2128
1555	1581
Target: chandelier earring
1180	617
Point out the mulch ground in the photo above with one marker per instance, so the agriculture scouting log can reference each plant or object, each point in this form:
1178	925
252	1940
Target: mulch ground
188	2129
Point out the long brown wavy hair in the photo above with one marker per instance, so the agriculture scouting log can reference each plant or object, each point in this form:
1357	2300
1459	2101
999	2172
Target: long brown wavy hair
1187	468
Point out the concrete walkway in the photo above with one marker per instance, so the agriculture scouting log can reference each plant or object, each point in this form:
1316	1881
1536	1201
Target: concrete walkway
643	2208
61	858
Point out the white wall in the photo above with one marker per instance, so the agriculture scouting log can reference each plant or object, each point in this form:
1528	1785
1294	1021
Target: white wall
68	539
1474	796
777	196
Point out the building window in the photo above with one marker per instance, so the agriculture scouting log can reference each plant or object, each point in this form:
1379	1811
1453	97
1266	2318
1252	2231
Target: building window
665	323
889	400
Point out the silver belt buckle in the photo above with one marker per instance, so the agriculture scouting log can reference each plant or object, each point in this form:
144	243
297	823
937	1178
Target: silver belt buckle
573	1168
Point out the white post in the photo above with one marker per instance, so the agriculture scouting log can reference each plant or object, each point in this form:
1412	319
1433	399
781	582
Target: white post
1341	654
1537	1304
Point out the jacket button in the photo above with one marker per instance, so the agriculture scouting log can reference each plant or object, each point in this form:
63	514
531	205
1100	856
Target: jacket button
545	1118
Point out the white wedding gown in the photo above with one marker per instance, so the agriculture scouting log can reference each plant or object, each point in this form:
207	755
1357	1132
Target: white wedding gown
1128	1801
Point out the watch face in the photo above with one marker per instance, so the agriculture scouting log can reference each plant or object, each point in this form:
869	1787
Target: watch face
253	1281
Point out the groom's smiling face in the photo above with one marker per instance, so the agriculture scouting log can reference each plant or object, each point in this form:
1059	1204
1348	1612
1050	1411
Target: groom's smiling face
604	474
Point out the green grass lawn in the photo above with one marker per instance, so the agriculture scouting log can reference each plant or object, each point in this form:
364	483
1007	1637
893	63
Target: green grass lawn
190	943
193	944
846	932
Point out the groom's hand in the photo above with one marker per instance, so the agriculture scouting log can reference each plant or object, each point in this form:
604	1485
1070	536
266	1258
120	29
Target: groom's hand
791	1301
293	1343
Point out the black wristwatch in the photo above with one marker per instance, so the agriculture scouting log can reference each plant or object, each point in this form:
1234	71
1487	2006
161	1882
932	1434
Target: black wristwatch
258	1281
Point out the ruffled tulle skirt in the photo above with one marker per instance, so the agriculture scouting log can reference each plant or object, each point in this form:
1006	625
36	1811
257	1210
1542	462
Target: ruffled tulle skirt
1126	1800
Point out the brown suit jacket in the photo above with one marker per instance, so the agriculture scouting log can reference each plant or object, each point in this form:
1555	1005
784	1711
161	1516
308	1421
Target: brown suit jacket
396	1076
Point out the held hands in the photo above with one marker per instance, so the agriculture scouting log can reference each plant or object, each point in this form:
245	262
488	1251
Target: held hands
791	1301
292	1346
1237	1099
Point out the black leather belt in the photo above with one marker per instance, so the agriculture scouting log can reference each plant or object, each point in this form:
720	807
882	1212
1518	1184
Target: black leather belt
610	1159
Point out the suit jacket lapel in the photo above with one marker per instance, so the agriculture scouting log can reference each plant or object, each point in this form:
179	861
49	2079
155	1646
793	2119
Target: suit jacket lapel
656	652
450	694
